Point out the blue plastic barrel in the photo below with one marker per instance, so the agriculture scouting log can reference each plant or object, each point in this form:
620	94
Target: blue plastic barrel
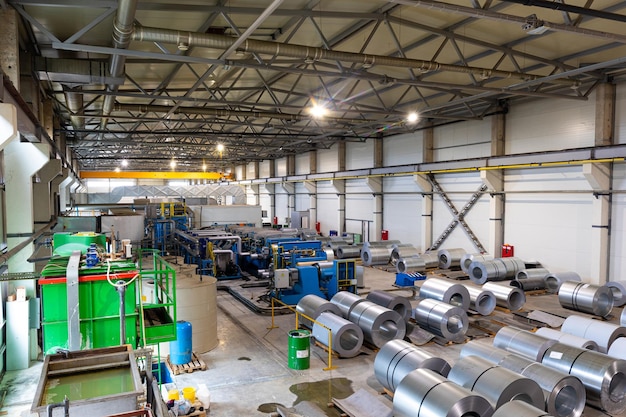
180	349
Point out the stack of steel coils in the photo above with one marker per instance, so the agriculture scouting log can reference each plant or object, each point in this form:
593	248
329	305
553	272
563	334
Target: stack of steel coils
442	319
447	291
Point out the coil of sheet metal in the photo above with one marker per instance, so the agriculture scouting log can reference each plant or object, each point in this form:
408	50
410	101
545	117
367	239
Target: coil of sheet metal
345	302
442	319
413	264
618	348
497	384
603	333
346	337
481	301
468	258
381	243
512	265
618	288
348	252
506	296
622	318
379	324
604	377
447	291
555	279
532	273
483	350
312	306
397	358
519	408
450	258
403	251
397	303
567	339
375	255
497	269
430	259
588	298
529	284
524	343
564	394
424	393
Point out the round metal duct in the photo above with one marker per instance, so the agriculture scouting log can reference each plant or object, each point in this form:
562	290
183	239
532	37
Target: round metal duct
603	333
588	298
397	303
312	306
450	258
397	358
481	301
347	337
554	280
447	291
425	393
567	339
442	319
506	296
379	324
523	343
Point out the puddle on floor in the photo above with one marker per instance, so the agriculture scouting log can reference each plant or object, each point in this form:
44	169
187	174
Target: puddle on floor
268	407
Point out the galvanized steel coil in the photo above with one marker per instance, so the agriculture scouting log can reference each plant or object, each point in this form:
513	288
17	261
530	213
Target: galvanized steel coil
447	291
397	303
397	358
468	258
529	284
430	259
554	280
442	319
619	292
541	273
481	301
498	269
622	318
519	408
497	384
312	306
347	337
483	350
375	255
346	301
618	348
381	243
403	251
424	393
450	258
379	324
567	339
524	343
604	377
564	394
603	333
506	296
348	252
412	264
588	298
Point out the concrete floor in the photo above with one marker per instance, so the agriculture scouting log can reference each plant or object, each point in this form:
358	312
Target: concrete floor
247	372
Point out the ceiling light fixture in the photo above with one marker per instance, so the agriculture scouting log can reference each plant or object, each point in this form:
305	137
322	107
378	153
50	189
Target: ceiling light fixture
534	25
220	147
124	163
117	169
318	111
412	117
173	164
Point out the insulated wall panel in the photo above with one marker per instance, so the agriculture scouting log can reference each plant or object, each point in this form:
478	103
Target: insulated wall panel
617	271
620	114
282	205
280	167
462	140
303	163
327	207
403	149
360	155
327	160
402	216
303	200
264	169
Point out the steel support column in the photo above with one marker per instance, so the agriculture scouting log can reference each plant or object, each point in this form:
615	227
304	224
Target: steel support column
376	186
290	189
427	209
340	189
494	181
270	189
9	47
311	187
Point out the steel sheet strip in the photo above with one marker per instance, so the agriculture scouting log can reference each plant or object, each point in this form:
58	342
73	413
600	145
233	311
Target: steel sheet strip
532	273
450	258
375	255
619	292
529	284
468	258
519	408
413	264
345	302
482	301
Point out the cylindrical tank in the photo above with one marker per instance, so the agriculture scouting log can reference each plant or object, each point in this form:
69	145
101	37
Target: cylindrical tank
180	349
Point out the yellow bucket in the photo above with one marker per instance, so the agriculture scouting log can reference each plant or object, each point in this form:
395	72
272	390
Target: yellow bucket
173	394
189	393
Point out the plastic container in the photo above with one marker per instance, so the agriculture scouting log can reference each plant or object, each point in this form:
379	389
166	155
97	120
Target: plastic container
204	396
299	349
173	394
180	349
189	393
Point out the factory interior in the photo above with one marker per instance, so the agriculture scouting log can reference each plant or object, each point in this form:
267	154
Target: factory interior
310	208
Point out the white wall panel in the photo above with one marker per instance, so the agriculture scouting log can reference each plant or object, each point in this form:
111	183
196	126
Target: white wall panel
403	149
250	196
264	169
327	207
620	114
250	174
462	140
280	165
546	125
303	163
327	160
617	271
282	202
266	205
303	200
360	155
402	217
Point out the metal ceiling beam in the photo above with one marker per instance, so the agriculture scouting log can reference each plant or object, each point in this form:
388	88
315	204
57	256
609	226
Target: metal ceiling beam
571	9
162	175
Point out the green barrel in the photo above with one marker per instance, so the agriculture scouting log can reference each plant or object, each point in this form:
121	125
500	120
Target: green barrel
299	349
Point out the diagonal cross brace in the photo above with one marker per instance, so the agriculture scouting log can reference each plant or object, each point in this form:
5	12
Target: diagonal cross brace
459	216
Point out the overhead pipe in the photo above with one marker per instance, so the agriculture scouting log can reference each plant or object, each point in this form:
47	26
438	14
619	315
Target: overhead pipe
571	9
74	101
185	39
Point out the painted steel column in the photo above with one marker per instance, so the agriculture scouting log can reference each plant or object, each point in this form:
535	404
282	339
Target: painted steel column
428	140
340	189
43	207
64	194
427	209
291	165
495	181
313	162
270	189
255	189
311	187
9	47
290	189
55	192
376	185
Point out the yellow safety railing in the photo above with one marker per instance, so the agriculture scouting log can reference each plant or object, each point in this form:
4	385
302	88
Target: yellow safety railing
330	333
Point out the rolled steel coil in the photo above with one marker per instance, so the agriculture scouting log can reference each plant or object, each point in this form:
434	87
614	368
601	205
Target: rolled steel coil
450	258
567	339
375	255
481	301
397	358
603	333
347	337
554	280
588	298
564	394
619	292
519	408
512	265
468	258
622	318
360	276
483	350
521	342
497	384
618	348
401	252
348	252
430	259
498	269
425	393
413	264
346	301
447	291
506	296
381	243
397	303
604	377
312	306
379	324
540	273
529	284
442	319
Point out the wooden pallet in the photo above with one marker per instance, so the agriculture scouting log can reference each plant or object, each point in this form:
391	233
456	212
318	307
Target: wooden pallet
196	364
